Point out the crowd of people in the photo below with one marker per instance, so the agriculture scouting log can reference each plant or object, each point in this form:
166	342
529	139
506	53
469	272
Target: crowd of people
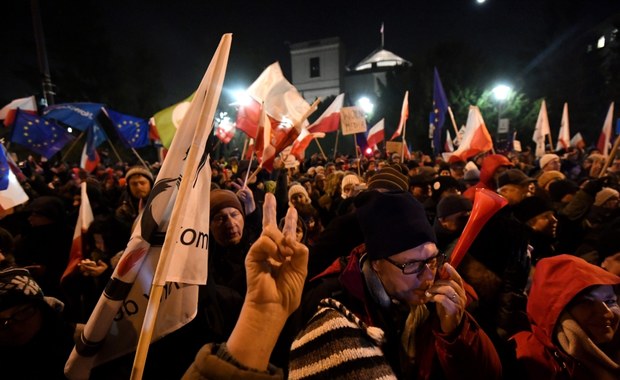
340	268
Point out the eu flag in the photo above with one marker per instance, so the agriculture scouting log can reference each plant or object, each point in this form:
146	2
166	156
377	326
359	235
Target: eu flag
80	116
4	170
39	134
132	130
438	116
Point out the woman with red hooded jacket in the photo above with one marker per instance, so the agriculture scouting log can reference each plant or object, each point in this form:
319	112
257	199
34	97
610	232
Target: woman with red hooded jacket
574	312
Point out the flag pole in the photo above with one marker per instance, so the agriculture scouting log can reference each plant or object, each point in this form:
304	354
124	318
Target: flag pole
245	183
115	152
212	90
550	143
245	146
357	155
336	143
611	157
402	148
320	148
456	130
64	157
139	158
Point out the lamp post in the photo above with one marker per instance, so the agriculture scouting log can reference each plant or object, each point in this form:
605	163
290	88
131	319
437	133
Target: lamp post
501	92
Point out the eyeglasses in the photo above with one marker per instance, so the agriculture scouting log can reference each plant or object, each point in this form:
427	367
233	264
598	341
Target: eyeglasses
20	315
417	266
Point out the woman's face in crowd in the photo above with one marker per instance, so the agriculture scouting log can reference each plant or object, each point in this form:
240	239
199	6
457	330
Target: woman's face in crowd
598	313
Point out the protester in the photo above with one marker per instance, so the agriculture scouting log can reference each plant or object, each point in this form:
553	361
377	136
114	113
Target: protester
492	166
35	340
384	306
276	268
573	306
139	182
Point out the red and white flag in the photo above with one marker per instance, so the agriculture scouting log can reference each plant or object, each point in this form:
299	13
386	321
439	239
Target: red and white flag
282	102
85	218
476	138
564	134
577	141
180	191
225	131
604	139
449	145
303	140
376	134
7	113
404	115
542	130
329	121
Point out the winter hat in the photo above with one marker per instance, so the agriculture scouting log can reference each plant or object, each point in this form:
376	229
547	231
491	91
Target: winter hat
471	176
224	198
48	206
139	170
559	189
18	287
513	177
531	207
297	189
453	204
604	195
349	179
443	183
392	222
547	177
389	178
547	158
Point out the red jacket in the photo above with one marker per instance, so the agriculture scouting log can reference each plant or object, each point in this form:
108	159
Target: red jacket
557	281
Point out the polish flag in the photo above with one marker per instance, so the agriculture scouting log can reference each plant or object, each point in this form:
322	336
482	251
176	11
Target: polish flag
449	145
7	113
564	135
329	121
282	102
85	218
90	158
376	134
604	139
404	115
303	140
476	138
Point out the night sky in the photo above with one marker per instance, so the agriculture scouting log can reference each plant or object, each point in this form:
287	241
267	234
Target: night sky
179	37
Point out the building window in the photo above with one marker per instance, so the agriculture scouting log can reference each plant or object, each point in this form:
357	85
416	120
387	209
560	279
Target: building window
601	42
315	67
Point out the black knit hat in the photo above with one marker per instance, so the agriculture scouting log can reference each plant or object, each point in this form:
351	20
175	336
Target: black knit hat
48	206
513	177
392	222
531	207
224	198
453	204
17	287
559	189
388	178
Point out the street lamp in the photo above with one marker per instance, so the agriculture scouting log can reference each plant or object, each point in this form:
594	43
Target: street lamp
366	105
501	92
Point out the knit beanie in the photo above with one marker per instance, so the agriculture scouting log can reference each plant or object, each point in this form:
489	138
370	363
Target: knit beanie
604	195
392	222
547	158
18	287
443	183
349	179
389	178
453	204
531	207
297	189
139	170
221	199
547	177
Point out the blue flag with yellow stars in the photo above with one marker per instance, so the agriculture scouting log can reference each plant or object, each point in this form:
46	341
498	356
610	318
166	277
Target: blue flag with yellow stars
134	131
438	116
80	116
39	134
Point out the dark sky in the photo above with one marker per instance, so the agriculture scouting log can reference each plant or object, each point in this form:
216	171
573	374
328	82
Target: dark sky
182	35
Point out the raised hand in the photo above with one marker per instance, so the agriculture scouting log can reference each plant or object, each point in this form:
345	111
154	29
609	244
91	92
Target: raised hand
245	195
276	265
450	297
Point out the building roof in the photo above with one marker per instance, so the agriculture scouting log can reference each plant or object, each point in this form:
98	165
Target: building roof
381	58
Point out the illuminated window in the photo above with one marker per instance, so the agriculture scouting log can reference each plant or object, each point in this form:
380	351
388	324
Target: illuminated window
315	67
601	42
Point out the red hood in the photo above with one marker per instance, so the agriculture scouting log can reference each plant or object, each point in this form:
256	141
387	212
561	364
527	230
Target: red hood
489	166
557	280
